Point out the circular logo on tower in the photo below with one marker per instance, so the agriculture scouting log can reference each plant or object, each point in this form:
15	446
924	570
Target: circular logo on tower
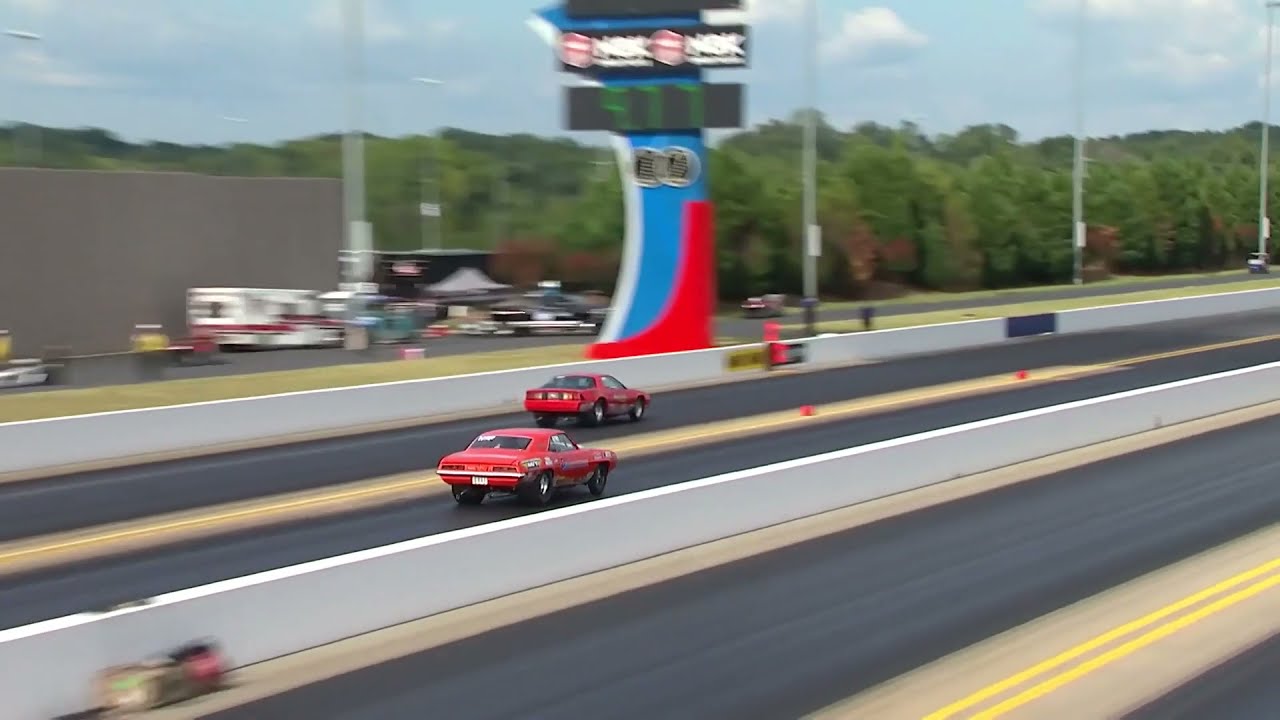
648	166
681	167
667	47
676	167
577	49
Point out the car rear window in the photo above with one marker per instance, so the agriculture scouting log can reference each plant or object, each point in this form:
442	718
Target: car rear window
500	442
570	382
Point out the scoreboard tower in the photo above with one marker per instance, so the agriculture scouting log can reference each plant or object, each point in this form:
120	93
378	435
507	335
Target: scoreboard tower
642	64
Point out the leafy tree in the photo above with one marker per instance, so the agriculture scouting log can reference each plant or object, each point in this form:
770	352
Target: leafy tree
977	208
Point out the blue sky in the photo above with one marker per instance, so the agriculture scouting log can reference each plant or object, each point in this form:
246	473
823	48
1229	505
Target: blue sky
177	69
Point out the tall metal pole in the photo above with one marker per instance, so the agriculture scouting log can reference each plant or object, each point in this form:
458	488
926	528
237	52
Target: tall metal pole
29	37
353	190
1264	156
812	243
1078	229
435	159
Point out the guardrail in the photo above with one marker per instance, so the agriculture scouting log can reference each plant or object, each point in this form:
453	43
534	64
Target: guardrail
58	442
49	665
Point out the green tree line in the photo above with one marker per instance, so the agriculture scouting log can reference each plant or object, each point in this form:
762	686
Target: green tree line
980	208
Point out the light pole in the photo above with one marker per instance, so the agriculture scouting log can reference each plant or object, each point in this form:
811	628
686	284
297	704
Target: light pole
432	208
30	37
357	234
812	233
1264	155
1078	230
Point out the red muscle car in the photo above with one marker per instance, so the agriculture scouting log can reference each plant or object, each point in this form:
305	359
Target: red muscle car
589	397
531	464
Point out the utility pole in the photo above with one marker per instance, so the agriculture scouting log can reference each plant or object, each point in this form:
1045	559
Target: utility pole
812	243
1264	156
357	234
431	207
1078	227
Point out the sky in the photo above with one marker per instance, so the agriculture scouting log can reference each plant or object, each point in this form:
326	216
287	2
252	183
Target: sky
220	71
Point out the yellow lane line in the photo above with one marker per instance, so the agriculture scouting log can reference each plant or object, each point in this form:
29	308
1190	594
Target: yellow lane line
369	490
1249	578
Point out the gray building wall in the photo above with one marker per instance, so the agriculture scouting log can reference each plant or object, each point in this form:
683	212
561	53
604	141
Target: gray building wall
85	255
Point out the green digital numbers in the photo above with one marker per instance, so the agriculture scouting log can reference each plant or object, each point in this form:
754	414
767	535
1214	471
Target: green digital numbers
655	104
652	107
617	101
697	105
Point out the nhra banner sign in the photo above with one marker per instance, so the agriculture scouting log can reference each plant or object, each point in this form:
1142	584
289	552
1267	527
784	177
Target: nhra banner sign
646	51
745	359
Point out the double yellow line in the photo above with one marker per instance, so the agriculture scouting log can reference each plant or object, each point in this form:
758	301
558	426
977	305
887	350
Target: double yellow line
1158	625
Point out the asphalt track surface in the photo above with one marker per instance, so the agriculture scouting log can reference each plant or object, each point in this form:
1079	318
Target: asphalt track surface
113	370
102	582
72	502
1246	687
786	633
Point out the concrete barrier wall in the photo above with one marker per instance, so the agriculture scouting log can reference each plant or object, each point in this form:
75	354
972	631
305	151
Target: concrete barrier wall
49	665
888	344
86	438
113	436
1155	311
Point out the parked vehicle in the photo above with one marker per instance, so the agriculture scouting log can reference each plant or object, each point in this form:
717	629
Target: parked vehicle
254	318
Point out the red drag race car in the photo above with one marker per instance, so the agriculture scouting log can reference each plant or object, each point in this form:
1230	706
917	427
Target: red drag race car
531	464
589	397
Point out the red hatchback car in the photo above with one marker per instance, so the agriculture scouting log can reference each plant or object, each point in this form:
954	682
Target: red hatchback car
531	464
589	397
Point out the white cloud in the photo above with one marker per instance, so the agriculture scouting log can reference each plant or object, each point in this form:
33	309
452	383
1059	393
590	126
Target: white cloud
1181	42
759	11
1182	66
33	65
442	29
874	33
379	25
33	7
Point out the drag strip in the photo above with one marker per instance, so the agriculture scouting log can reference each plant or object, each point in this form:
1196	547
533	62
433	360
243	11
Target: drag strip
40	507
104	581
786	633
1243	688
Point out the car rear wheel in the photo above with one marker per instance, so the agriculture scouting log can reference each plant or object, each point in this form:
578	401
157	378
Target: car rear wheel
540	491
637	410
468	495
595	485
545	421
595	416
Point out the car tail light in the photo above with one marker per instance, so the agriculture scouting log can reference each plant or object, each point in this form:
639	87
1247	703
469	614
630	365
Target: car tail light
452	467
537	396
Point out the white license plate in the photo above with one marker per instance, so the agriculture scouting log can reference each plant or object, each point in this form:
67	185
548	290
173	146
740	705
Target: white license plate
477	480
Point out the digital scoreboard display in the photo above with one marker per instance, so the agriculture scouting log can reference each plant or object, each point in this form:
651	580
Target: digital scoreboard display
654	108
644	8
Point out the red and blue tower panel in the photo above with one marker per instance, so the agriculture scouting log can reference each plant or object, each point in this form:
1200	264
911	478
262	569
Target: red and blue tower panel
642	63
